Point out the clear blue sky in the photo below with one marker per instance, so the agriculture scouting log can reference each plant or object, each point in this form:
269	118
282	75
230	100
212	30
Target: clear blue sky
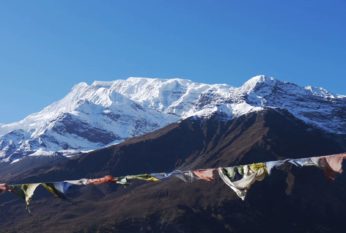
48	46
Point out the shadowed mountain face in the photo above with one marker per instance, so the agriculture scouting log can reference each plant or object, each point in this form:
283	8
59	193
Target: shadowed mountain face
315	204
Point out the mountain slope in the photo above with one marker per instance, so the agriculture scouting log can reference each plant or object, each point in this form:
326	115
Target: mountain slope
103	113
174	206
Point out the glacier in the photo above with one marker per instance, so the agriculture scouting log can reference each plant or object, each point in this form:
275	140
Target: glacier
93	116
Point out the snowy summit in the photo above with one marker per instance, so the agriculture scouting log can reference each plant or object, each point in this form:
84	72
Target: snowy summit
104	113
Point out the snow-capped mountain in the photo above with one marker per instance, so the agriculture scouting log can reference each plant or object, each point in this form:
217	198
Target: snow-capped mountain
103	113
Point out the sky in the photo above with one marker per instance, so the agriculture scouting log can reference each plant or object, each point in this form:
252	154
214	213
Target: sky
48	46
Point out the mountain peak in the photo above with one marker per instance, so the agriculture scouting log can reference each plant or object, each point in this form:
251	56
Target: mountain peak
100	84
79	86
319	91
138	79
92	116
257	81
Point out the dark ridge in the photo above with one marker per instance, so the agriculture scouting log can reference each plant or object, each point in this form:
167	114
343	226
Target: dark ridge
315	205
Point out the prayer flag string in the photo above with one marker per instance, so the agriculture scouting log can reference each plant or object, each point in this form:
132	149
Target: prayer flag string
239	178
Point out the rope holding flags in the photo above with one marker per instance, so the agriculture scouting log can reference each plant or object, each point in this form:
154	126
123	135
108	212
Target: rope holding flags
239	178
